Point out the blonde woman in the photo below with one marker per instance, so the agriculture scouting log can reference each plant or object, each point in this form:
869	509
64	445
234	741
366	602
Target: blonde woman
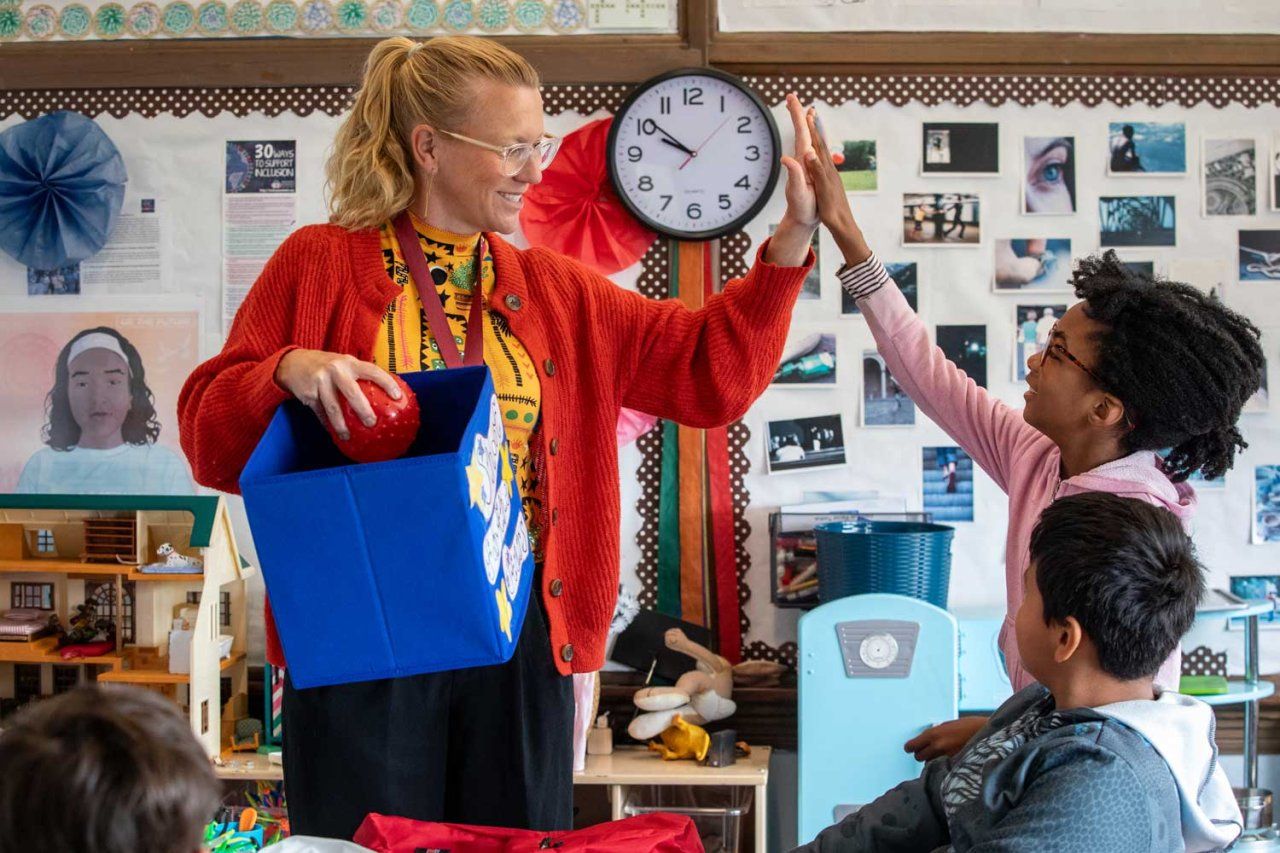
444	138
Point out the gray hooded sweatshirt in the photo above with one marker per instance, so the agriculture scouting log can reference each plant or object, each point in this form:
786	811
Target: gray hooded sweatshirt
1132	777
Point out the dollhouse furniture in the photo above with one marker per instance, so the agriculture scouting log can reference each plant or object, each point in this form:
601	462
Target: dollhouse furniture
58	552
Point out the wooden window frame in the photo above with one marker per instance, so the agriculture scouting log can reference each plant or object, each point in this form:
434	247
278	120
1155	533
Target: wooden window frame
229	63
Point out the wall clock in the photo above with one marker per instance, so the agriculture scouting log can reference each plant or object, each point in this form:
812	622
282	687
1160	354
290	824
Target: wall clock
693	154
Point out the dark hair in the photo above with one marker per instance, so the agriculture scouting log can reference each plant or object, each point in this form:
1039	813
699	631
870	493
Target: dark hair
1127	572
61	432
107	769
1183	364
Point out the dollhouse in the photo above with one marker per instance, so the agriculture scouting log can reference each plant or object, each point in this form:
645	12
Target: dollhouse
89	591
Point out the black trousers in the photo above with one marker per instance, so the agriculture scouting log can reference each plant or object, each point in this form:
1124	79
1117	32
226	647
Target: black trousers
488	745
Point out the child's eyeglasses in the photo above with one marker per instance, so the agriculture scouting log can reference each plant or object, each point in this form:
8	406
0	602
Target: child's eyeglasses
1060	349
514	157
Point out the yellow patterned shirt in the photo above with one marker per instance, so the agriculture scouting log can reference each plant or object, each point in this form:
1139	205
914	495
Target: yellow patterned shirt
405	343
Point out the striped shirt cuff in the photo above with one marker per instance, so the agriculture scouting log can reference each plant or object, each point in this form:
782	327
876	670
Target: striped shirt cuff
864	279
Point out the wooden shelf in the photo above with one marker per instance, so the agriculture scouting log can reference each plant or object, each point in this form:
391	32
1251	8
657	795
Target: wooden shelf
75	567
44	650
157	672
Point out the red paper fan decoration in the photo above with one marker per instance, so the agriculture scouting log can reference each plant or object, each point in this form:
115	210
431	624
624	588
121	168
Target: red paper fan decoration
575	211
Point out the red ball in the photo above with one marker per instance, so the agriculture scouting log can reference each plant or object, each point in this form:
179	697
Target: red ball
837	157
391	435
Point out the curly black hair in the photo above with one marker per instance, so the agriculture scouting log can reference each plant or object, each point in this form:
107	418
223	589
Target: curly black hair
1183	364
1127	572
141	426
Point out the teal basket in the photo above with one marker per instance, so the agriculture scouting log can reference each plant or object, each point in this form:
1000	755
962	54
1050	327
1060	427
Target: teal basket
900	557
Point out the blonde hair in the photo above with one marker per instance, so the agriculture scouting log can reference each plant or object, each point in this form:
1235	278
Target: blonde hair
406	83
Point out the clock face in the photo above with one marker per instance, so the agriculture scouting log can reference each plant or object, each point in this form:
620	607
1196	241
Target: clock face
693	154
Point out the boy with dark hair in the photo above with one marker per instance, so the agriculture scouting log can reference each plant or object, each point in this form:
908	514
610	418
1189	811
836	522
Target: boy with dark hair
1093	758
103	770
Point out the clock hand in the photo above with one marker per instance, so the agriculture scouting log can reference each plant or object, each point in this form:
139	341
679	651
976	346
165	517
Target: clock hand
694	152
671	140
677	145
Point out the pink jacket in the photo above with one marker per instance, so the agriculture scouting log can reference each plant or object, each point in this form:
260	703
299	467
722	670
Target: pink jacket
1021	460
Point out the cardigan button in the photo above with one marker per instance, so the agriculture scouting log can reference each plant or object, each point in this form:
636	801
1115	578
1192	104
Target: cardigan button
555	516
550	367
557	587
566	652
513	302
554	446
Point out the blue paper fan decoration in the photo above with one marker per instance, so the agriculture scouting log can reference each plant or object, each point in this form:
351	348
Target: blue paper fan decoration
61	189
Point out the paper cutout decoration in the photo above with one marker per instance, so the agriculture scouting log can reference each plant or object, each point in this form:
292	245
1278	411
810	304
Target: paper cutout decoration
61	189
575	211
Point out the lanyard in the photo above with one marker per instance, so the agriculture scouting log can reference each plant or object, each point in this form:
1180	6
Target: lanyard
438	325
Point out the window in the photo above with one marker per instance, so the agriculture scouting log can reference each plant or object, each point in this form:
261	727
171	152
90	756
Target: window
26	682
102	594
31	595
224	606
45	546
65	678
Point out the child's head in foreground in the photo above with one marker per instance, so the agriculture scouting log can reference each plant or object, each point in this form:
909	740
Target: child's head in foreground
103	770
1111	589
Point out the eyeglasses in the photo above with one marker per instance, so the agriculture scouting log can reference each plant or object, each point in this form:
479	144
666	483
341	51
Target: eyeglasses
514	157
1061	350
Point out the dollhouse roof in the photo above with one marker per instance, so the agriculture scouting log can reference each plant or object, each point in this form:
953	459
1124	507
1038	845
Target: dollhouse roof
203	508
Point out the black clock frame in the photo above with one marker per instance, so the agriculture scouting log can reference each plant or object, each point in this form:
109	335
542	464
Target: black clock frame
743	219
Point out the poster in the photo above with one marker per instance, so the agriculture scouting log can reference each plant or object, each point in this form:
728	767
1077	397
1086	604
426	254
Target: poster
259	209
90	401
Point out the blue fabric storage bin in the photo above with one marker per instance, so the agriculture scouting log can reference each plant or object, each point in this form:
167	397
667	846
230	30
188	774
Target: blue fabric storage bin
389	569
908	558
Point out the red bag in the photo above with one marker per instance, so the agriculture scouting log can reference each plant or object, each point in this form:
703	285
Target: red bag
657	832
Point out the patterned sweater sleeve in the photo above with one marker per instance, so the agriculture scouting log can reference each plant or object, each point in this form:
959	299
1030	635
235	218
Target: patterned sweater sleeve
990	431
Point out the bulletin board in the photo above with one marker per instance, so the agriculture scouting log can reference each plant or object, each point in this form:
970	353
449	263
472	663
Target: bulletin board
173	141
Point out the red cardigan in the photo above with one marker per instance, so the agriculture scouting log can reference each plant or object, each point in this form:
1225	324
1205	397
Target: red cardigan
597	346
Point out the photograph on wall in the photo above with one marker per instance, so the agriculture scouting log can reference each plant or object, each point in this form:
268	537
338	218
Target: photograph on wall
1260	255
1143	268
1275	173
802	443
90	401
1032	264
855	160
1049	175
1229	177
966	347
1257	588
810	363
1266	504
812	287
884	403
1147	147
62	281
1139	220
941	219
947	483
960	148
1032	326
904	274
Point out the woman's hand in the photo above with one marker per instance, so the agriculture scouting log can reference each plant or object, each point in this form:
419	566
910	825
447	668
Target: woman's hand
790	243
318	378
945	739
828	189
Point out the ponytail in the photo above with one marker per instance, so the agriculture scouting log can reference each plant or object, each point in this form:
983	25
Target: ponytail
370	171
